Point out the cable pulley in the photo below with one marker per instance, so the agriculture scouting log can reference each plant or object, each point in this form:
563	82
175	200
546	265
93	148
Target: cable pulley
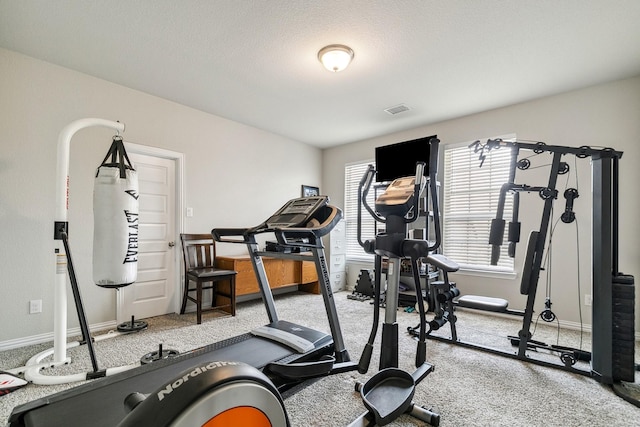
540	148
563	168
583	152
568	359
548	193
547	315
523	164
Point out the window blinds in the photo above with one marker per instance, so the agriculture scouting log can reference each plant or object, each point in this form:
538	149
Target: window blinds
353	174
471	196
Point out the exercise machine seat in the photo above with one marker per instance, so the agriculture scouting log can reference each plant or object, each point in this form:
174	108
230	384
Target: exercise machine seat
483	303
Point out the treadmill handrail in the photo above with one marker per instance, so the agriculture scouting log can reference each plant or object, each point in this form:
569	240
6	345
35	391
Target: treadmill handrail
222	234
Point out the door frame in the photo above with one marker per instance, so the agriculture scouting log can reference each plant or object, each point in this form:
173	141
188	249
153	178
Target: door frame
178	159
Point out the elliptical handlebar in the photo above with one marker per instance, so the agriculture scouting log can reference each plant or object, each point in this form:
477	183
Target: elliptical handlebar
363	191
434	145
418	186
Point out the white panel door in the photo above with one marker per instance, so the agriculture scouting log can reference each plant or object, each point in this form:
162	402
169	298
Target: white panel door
155	291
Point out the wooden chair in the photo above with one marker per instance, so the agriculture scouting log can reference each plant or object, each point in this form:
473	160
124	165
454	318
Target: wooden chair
199	254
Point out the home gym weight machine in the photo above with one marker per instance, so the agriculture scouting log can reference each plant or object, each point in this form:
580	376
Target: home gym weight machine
225	379
389	393
612	355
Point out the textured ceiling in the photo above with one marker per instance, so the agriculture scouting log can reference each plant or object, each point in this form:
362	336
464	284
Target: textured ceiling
254	61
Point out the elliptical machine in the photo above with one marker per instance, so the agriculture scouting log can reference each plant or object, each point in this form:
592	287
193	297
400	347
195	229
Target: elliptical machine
389	393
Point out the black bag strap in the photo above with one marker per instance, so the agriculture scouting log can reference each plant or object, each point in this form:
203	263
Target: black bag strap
119	157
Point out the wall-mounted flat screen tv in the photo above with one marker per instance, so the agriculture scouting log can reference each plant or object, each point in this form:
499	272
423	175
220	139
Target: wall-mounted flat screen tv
399	160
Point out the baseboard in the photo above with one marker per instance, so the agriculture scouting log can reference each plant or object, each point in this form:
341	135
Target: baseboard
586	328
48	337
574	326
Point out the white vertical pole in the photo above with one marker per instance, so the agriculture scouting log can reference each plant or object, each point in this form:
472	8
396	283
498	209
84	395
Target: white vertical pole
62	206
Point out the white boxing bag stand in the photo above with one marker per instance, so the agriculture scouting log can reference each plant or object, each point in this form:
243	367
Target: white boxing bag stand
63	263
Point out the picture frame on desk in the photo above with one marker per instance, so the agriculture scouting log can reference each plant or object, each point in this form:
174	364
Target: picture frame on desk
309	191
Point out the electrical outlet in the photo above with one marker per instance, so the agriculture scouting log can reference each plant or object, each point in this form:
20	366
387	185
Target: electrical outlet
587	299
35	306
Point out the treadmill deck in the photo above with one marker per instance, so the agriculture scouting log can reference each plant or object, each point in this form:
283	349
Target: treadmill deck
100	403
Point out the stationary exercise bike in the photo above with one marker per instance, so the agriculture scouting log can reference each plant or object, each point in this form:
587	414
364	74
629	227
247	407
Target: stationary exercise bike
388	394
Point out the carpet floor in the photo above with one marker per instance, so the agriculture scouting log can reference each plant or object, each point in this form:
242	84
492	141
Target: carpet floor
467	388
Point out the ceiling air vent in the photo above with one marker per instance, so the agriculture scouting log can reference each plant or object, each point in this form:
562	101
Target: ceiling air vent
397	109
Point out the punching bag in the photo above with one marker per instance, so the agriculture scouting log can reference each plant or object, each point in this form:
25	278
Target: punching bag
115	213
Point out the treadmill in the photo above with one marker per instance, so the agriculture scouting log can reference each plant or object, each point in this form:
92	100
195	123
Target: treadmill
286	352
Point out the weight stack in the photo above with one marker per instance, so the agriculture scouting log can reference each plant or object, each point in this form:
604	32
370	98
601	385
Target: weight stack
623	338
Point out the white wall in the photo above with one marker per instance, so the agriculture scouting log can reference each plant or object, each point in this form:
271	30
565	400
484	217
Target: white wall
604	115
236	175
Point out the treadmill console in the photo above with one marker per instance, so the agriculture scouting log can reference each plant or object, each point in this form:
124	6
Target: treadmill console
303	218
297	212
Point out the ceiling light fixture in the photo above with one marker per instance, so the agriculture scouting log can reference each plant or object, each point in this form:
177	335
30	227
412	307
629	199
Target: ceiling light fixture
335	57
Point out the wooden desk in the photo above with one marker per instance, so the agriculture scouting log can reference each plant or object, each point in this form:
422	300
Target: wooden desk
280	272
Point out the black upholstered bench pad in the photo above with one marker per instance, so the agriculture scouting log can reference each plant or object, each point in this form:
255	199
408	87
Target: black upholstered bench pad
483	303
